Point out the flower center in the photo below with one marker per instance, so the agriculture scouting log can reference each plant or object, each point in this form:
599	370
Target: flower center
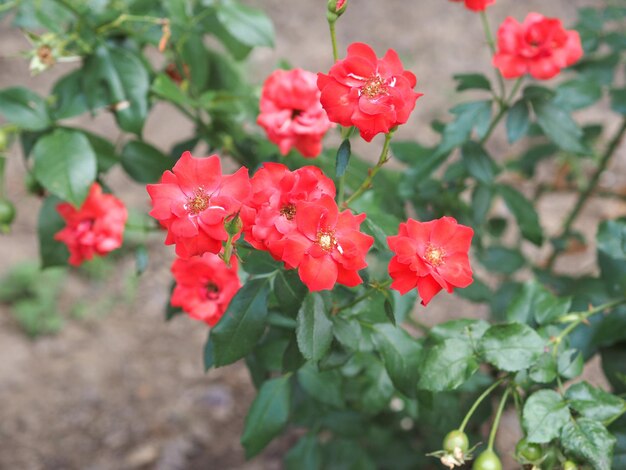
435	255
326	239
212	291
198	202
374	87
288	211
295	113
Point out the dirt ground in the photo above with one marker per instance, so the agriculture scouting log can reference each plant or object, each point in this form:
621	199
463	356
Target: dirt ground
126	390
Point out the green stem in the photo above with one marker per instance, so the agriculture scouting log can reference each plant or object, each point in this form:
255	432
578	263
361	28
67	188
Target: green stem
496	421
504	107
2	165
492	46
373	289
586	194
477	403
333	39
125	17
384	158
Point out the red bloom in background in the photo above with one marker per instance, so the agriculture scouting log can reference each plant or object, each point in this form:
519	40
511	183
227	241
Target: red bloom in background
291	112
430	256
375	95
193	200
270	213
327	246
476	5
205	286
96	228
539	46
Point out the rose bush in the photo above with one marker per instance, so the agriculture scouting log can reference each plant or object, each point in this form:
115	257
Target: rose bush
310	269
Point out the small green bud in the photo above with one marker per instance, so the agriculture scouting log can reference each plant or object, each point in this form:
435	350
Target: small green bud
336	8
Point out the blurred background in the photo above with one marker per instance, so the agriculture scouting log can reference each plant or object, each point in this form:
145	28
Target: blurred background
92	377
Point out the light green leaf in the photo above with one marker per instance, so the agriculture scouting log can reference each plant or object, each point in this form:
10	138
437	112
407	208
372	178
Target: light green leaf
545	413
25	108
447	365
511	347
588	441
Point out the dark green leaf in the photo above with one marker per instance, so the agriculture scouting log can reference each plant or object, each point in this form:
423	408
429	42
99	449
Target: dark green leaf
472	115
51	252
343	158
478	163
105	152
322	386
577	94
401	355
347	331
588	441
242	325
69	100
511	347
545	413
410	152
289	291
594	403
472	81
559	126
268	415
305	455
618	100
524	213
208	357
65	164
447	365
463	328
144	163
24	108
501	259
389	311
611	240
248	25
164	87
314	330
517	121
292	358
482	198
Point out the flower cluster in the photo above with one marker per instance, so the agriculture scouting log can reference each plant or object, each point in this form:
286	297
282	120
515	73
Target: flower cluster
539	46
95	228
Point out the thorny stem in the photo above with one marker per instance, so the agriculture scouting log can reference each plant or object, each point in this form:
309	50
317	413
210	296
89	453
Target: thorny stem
584	196
477	403
492	46
384	158
496	421
576	318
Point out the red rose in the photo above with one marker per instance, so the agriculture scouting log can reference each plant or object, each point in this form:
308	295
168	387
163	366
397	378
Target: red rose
327	246
193	200
291	112
270	213
539	46
476	5
96	228
430	256
205	286
375	95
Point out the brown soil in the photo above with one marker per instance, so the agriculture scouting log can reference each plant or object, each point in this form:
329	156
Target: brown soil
127	390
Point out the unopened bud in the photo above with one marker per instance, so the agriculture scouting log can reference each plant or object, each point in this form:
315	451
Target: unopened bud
233	226
336	8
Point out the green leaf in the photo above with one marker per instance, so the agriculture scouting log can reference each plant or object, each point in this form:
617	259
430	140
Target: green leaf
482	199
292	358
463	328
472	115
401	355
570	363
250	26
241	327
447	365
69	100
594	403
517	121
559	127
208	357
618	100
125	81
289	291
410	152
268	415
535	302
611	241
343	158
588	441
24	108
145	163
614	366
305	455
164	87
51	252
314	330
478	163
105	152
347	331
544	370
577	94
524	213
325	387
472	81
545	413
65	164
511	347
501	259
